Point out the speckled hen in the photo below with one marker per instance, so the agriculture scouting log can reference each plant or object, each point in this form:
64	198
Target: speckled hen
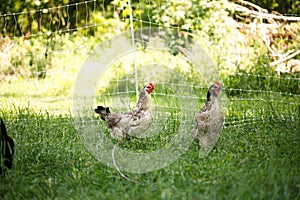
133	123
209	121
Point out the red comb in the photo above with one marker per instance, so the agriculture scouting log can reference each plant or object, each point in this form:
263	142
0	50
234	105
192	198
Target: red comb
217	83
151	84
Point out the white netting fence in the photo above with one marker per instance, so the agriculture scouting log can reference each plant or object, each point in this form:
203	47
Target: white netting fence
46	47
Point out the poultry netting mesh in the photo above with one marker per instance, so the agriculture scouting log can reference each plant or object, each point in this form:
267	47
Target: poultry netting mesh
179	51
181	76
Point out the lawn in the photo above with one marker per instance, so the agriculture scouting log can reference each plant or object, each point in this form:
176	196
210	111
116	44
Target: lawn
256	159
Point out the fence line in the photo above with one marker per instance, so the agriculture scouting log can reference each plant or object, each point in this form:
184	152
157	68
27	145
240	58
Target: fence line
276	90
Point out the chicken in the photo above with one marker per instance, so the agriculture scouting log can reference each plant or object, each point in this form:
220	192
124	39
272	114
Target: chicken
6	149
209	121
133	123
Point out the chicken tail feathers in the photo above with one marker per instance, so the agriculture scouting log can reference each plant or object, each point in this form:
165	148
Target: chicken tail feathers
103	112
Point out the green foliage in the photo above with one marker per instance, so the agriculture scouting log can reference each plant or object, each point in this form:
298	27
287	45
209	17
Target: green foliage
35	17
30	58
204	22
262	77
43	55
289	7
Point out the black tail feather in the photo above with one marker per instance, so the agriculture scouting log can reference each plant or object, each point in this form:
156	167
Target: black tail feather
102	111
99	109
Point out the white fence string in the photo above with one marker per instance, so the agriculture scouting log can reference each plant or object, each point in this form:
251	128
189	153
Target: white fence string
134	51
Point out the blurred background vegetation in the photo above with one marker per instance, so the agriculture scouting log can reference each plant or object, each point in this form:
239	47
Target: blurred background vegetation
44	43
35	16
288	7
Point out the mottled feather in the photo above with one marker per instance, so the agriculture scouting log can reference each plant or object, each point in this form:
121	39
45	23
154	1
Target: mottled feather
208	122
133	122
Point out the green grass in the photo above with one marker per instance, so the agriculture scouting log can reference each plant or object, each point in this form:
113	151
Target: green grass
255	161
257	156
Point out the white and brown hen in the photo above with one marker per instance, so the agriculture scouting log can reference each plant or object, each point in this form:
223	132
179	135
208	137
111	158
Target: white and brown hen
209	121
133	123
